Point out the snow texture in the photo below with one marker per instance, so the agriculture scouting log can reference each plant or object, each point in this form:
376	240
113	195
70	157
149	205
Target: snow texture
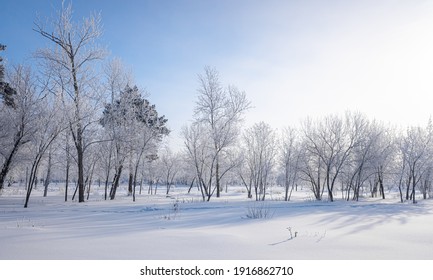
183	227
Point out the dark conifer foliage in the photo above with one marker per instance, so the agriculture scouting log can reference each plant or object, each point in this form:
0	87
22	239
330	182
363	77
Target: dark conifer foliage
6	91
131	106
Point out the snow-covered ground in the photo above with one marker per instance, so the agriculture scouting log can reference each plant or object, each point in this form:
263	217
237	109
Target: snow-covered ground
184	227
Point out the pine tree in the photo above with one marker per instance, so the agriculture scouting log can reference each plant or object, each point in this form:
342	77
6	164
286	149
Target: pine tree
134	125
6	91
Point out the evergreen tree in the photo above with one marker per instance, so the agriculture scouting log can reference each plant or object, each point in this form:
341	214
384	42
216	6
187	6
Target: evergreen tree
6	91
131	108
135	127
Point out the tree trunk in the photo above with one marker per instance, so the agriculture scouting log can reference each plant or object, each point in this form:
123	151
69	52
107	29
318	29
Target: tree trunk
381	188
7	164
330	194
90	179
130	179
31	182
286	181
133	192
80	165
75	191
217	177
135	182
67	178
141	185
408	187
413	188
190	186
47	178
116	182
106	186
79	130
33	179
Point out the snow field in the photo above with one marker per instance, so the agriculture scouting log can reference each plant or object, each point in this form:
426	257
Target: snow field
182	227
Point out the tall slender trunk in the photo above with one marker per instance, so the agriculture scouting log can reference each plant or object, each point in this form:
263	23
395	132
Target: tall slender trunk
90	179
48	176
329	187
80	165
380	177
106	186
33	177
130	179
78	131
75	190
287	184
408	183
7	163
116	182
67	173
217	177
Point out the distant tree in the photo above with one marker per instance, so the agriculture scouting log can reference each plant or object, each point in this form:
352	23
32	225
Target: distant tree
199	158
219	111
415	150
170	166
260	156
328	143
290	157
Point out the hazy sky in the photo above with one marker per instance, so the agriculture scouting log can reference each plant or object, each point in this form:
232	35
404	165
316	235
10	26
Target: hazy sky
292	58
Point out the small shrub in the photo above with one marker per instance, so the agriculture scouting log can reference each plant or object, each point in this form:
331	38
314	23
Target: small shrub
173	211
259	210
292	234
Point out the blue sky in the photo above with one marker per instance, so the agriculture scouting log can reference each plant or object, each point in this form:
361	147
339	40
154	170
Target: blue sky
293	58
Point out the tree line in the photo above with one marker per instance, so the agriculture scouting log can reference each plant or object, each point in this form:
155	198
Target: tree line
87	117
347	155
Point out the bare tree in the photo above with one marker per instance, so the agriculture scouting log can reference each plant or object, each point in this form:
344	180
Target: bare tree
290	159
198	156
370	158
328	145
415	148
75	51
118	78
260	151
17	121
49	124
42	141
170	165
220	111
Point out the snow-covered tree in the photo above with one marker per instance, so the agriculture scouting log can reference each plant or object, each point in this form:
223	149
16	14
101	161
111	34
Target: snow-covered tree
327	145
260	150
290	156
415	149
6	91
170	165
370	160
50	125
219	112
199	157
17	122
68	63
135	128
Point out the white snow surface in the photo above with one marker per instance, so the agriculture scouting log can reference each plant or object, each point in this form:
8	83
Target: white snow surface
182	227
